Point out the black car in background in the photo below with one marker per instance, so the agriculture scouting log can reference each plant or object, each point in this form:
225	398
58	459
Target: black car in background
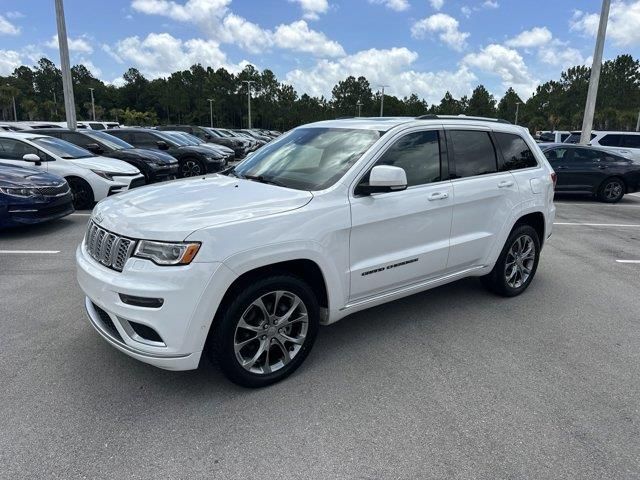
597	171
155	165
226	152
194	159
209	135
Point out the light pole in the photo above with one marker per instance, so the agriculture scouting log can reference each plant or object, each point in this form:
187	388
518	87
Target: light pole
249	82
93	106
210	100
592	94
67	85
517	110
359	105
382	100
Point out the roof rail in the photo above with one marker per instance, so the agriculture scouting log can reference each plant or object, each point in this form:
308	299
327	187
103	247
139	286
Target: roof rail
432	116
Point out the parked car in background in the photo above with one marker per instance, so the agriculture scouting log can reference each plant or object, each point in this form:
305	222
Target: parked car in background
156	166
592	170
626	144
194	160
329	219
209	135
256	135
241	146
90	177
227	153
251	143
101	125
259	140
575	137
29	196
557	136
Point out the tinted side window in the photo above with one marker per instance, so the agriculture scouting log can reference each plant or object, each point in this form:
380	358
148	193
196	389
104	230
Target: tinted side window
556	154
473	153
126	136
631	141
515	151
75	139
418	154
610	140
96	126
585	155
146	139
11	149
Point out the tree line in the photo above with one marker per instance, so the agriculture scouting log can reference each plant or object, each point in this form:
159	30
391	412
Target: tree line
183	97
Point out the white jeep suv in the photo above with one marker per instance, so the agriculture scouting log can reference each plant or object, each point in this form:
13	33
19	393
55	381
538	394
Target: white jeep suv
328	219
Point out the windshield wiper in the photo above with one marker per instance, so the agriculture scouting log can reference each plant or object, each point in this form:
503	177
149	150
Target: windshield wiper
262	179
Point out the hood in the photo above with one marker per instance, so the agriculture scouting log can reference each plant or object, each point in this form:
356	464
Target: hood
201	149
172	211
143	154
106	164
11	175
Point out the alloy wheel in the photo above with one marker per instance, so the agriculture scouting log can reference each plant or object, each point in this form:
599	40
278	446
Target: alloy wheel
519	262
271	332
190	168
612	190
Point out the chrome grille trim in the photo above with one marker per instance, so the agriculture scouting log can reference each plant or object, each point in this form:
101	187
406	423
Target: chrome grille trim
107	248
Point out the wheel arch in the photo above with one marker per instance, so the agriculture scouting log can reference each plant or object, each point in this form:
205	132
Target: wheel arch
535	220
611	177
79	178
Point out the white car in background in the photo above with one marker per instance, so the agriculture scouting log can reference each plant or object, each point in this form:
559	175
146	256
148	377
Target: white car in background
90	177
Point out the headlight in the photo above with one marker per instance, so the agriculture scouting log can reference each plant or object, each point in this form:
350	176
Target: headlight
105	175
162	253
18	191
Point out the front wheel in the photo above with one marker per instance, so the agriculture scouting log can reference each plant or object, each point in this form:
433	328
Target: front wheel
611	191
81	193
266	331
190	167
517	264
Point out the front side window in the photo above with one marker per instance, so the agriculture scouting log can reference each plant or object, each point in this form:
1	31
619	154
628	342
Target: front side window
111	141
556	154
515	151
473	153
308	158
11	149
418	154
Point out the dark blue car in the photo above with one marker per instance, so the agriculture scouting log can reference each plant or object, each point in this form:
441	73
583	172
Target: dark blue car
29	196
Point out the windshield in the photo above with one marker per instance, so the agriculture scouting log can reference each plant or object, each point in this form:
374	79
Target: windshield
109	140
172	138
308	158
60	148
192	138
226	133
212	132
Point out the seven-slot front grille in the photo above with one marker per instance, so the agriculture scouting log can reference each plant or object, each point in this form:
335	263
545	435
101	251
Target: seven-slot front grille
54	190
109	249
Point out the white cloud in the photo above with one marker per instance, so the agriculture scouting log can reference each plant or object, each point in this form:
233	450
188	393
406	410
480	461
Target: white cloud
437	4
445	26
506	63
160	54
8	28
297	36
558	53
9	61
388	66
397	5
77	45
312	8
245	34
15	14
95	70
466	11
623	27
535	37
490	4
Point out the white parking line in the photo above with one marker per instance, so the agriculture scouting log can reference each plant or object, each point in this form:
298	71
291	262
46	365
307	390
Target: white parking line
609	205
628	261
615	225
21	252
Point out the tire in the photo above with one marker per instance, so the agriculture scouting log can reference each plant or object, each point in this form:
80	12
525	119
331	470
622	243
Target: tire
82	193
612	190
515	268
246	332
191	167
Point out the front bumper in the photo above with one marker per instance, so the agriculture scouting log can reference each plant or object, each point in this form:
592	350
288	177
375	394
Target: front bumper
160	174
182	322
216	165
38	212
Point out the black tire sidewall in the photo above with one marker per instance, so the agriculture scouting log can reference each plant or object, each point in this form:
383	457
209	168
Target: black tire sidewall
225	328
75	182
601	196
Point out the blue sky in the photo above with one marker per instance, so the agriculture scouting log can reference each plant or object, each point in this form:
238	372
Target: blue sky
414	46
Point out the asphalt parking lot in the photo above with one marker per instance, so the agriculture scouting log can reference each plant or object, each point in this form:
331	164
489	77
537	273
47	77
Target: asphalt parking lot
452	383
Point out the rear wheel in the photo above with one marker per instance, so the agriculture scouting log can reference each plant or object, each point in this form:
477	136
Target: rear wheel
266	331
191	167
81	192
611	190
517	264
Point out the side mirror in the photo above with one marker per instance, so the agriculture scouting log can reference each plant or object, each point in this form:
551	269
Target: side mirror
32	157
382	179
94	147
207	136
162	145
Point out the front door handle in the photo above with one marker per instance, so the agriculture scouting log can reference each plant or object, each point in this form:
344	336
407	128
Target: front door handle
505	184
438	196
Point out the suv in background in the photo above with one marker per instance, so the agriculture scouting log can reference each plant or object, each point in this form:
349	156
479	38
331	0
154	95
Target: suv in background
155	165
624	143
332	218
194	160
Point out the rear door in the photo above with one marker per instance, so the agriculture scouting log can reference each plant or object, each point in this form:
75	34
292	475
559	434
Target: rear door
484	198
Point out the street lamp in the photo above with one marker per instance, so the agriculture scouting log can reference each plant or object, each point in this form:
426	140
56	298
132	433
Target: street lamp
65	67
93	106
517	109
210	100
249	82
359	105
382	100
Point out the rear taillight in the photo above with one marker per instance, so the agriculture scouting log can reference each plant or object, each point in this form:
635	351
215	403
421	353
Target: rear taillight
554	179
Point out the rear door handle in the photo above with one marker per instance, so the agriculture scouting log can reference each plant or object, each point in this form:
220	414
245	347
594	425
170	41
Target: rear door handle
438	196
505	184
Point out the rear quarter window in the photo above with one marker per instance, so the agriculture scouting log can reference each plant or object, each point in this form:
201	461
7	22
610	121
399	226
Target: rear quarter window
515	152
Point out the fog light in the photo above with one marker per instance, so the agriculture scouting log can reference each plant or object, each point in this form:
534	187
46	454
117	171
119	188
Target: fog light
145	302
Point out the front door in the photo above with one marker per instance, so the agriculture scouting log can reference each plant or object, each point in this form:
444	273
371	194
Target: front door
399	238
